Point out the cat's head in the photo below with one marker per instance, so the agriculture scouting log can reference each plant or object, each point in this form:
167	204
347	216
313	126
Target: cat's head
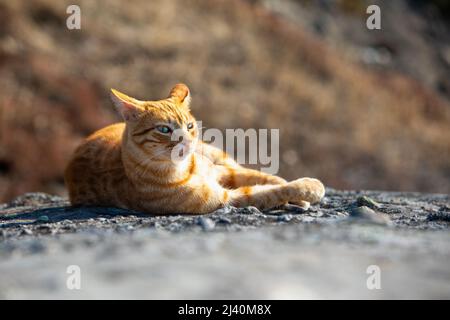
163	130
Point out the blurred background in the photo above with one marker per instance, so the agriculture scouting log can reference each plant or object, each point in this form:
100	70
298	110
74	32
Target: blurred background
357	108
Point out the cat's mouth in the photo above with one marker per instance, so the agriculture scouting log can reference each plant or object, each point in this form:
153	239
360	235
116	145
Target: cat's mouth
181	151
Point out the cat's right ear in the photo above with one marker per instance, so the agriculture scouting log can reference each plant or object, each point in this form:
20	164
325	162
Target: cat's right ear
181	93
128	107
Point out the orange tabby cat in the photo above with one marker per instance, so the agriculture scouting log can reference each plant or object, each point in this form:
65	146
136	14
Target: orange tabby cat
130	165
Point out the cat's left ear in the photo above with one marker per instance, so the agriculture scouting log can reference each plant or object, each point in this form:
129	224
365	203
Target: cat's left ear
129	108
181	94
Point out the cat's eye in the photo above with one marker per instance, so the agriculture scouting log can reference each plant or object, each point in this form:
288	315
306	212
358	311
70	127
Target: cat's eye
164	129
190	125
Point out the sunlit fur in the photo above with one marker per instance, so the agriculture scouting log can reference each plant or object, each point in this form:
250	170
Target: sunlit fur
130	165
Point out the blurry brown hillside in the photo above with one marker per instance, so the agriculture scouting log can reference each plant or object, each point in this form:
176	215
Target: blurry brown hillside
350	124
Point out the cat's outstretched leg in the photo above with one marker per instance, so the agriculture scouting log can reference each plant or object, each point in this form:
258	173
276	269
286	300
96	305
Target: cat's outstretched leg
235	177
269	196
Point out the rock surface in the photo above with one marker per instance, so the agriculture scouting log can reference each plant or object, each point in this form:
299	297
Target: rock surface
232	253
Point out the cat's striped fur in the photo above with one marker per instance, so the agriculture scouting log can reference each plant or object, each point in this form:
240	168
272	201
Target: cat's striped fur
129	165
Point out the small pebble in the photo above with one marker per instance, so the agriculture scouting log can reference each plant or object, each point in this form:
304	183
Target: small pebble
43	219
26	232
175	227
250	210
44	229
225	210
321	214
308	219
368	202
224	220
367	214
284	218
206	223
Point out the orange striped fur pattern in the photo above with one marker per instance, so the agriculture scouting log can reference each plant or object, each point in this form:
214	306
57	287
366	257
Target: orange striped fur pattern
130	165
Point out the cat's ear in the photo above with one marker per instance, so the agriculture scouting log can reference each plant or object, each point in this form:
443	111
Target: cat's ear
181	94
129	108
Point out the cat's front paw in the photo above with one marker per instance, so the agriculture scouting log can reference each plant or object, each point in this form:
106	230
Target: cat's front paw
308	189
